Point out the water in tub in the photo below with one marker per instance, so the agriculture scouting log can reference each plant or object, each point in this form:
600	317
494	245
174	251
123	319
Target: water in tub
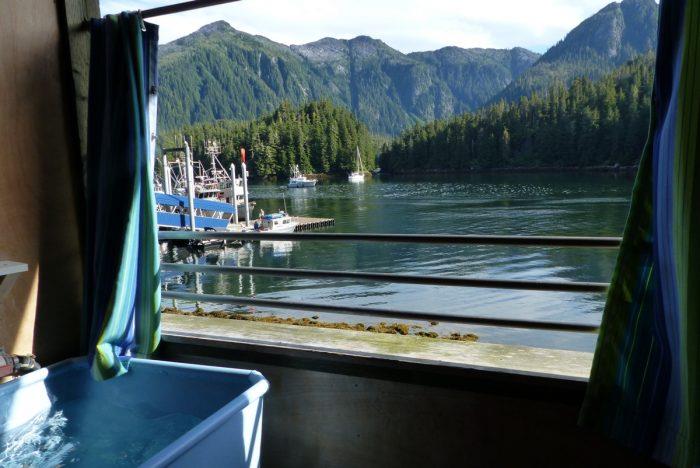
75	434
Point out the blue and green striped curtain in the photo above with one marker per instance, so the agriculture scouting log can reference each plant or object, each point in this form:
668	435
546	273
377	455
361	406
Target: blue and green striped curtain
122	284
644	389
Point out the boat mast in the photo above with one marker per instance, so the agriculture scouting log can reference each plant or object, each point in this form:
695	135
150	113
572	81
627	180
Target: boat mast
235	194
211	149
190	184
167	183
358	160
244	174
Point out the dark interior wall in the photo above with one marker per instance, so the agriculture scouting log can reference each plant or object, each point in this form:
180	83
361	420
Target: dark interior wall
40	193
329	414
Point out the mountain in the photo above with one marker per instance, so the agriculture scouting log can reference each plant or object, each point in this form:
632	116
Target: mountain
219	72
588	124
604	41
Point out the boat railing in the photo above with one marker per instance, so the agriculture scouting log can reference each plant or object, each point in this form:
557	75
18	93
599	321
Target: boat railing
523	241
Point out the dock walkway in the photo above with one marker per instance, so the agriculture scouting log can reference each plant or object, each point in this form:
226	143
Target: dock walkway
307	224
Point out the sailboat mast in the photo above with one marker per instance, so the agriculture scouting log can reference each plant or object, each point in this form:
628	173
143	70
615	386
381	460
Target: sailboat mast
358	160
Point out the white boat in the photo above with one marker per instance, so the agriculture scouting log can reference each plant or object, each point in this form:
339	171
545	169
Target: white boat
275	222
358	175
299	180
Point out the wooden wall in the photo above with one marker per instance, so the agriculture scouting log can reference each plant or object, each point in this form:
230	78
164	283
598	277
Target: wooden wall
40	191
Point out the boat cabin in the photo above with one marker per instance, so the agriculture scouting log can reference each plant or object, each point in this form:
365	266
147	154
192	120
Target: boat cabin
280	221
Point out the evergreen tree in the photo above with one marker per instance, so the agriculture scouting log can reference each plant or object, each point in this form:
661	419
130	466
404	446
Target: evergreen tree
587	124
319	136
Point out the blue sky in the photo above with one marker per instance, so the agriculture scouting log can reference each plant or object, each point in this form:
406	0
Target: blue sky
407	25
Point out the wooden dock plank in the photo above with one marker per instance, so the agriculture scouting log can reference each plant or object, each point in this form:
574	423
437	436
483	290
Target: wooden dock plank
307	223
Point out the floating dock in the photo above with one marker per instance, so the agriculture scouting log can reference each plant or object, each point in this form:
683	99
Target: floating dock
307	224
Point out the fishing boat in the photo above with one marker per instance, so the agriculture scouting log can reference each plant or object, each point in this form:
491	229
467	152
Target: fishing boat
275	222
299	180
215	183
173	212
358	175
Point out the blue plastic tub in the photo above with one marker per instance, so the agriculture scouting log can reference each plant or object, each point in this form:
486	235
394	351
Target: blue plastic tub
158	414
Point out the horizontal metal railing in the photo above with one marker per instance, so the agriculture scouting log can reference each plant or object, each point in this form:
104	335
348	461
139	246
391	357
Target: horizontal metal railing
558	286
532	241
376	312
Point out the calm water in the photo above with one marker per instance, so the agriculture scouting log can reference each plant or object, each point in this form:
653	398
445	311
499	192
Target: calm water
520	204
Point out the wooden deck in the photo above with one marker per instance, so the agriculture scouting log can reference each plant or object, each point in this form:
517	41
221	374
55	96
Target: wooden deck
572	364
307	224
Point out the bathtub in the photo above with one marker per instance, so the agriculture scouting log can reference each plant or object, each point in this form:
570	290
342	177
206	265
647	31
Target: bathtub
158	414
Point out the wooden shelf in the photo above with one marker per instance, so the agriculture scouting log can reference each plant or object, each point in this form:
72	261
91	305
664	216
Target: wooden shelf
11	268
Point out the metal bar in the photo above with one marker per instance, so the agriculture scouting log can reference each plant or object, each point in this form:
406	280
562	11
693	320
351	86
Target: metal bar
182	7
374	312
562	286
172	150
542	241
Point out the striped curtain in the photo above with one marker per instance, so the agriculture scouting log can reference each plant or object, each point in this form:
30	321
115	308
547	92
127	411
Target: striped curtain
122	283
644	389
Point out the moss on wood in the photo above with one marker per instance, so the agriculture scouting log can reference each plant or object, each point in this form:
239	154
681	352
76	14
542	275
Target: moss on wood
382	327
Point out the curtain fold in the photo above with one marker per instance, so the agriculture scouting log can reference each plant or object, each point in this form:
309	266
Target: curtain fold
122	280
644	384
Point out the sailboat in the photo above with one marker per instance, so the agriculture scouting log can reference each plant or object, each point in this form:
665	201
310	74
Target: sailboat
358	175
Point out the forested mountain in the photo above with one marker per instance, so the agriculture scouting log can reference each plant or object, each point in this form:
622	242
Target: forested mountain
318	136
601	43
545	111
587	124
221	73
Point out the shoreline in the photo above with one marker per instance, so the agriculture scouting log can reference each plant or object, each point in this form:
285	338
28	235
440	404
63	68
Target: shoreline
510	170
516	170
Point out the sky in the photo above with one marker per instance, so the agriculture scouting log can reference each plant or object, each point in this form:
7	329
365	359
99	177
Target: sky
406	25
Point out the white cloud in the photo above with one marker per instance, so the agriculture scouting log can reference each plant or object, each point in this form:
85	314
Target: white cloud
407	25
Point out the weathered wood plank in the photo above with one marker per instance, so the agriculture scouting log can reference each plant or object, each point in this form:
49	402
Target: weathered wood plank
486	355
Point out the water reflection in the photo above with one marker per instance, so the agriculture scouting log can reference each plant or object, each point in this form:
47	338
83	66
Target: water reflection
276	248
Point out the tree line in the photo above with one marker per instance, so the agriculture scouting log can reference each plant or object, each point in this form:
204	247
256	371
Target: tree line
590	123
318	136
601	123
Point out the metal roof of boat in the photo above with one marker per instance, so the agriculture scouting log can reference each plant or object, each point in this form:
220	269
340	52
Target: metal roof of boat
179	200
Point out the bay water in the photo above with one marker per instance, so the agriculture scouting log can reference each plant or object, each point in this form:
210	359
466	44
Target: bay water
567	204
